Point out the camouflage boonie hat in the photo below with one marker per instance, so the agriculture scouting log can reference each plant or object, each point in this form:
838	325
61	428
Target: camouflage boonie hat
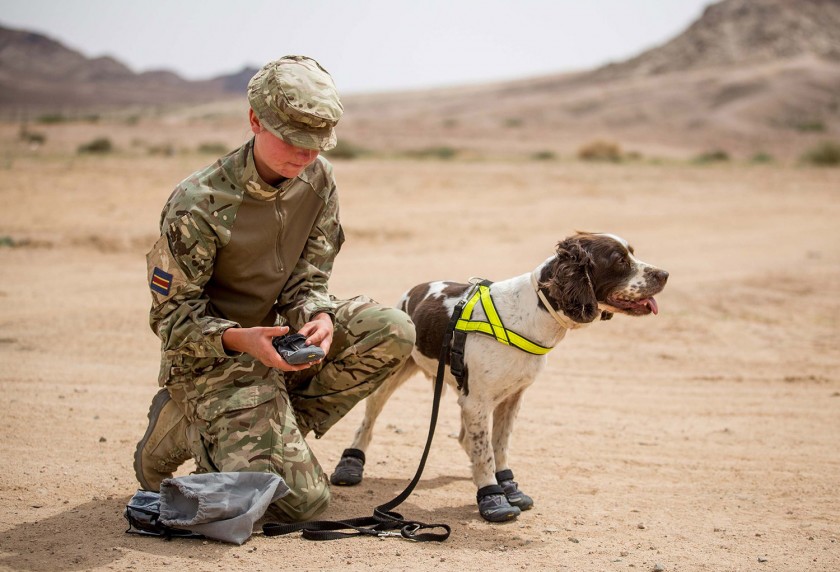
296	100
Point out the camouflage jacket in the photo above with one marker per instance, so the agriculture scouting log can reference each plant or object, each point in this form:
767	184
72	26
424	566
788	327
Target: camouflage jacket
236	251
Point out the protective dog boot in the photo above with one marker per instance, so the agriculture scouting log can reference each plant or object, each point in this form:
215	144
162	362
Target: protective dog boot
493	504
164	447
514	496
350	469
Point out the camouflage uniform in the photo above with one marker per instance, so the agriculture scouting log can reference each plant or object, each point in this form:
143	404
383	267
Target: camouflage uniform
235	251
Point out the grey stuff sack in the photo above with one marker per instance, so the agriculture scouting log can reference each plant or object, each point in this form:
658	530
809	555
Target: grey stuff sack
222	506
143	516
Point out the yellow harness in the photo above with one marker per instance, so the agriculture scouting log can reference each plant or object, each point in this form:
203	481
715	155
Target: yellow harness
493	326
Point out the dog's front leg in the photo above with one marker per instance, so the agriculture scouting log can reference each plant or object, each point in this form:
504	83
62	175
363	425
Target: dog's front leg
503	418
475	439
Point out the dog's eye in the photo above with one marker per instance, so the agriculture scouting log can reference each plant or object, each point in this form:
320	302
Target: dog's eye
619	260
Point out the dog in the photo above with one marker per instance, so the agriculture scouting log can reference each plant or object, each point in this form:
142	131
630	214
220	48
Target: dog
591	276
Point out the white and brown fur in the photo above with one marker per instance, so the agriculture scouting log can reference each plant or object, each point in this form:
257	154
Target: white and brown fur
591	276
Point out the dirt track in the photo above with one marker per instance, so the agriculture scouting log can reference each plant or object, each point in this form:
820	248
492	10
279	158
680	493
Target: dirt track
705	438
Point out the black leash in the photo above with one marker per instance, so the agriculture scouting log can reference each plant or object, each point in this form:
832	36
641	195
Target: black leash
384	522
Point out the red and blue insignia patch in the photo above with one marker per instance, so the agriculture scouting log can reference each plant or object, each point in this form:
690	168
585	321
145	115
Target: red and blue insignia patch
161	281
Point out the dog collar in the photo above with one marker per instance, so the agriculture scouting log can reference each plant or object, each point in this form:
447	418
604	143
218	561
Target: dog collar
561	319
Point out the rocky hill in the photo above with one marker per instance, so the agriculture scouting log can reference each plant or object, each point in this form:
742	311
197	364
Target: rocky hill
744	32
748	76
38	73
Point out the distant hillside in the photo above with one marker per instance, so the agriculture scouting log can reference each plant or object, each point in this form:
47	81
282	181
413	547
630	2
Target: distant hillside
747	76
38	73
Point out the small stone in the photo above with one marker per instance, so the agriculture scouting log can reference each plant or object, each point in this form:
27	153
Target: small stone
658	568
102	439
762	559
573	539
624	553
641	526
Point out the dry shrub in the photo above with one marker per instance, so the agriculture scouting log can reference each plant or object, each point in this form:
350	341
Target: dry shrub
345	149
100	145
714	156
213	148
761	158
34	138
544	156
826	154
441	153
600	151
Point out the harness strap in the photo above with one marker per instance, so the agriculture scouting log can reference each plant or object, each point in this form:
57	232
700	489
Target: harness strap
384	522
493	326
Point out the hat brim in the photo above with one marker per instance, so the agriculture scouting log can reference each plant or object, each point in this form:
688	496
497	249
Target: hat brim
322	139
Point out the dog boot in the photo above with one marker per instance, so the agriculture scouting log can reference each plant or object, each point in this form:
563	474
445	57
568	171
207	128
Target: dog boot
164	447
350	468
514	496
493	504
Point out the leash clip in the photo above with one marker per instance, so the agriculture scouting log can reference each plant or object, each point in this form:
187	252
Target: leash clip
407	532
383	534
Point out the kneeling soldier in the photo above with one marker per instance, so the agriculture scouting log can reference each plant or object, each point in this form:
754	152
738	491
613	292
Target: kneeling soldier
246	250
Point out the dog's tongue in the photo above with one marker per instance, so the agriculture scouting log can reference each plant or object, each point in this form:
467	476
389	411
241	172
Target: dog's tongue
651	303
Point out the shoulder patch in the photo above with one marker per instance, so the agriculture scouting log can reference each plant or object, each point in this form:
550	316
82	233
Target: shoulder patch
161	281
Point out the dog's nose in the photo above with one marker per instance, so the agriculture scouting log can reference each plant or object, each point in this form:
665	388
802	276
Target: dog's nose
661	276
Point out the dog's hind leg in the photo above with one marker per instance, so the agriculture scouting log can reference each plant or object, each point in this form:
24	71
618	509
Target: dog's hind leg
503	418
350	469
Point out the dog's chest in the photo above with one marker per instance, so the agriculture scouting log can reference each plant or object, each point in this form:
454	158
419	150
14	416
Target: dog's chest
495	370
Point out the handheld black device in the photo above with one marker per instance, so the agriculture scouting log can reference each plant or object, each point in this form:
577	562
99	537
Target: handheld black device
293	349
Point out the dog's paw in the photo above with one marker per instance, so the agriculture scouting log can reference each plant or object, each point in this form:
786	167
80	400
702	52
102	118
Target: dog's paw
493	505
514	496
350	469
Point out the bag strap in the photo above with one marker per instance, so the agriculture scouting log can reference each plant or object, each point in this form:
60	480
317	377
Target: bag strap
384	522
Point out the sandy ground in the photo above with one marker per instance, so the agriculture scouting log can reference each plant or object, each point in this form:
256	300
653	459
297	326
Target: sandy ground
705	438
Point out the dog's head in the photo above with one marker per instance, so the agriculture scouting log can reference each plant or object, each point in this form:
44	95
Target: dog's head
595	273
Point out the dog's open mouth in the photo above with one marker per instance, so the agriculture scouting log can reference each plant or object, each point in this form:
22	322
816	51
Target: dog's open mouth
641	307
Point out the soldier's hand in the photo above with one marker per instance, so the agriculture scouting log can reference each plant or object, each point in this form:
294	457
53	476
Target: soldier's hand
319	332
257	342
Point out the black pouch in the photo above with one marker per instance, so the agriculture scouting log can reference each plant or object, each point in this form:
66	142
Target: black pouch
143	515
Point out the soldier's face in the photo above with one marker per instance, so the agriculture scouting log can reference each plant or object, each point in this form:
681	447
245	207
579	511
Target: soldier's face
281	159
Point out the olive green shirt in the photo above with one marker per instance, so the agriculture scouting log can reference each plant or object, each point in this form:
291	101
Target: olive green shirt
236	251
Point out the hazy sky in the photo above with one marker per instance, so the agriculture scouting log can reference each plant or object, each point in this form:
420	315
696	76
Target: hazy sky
368	45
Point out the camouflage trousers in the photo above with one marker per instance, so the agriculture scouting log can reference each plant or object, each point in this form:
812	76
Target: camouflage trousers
244	416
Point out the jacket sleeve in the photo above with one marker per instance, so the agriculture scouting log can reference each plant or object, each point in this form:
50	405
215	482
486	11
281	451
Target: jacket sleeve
179	266
306	291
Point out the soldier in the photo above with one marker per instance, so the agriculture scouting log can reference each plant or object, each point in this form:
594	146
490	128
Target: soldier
246	250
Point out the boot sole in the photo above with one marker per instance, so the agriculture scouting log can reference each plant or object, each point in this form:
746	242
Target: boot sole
160	399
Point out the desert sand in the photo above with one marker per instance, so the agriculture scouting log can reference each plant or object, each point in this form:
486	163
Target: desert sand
704	438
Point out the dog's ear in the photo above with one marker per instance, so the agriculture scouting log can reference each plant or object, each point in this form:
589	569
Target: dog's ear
571	281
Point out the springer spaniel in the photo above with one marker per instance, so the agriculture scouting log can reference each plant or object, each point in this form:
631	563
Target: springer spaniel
591	276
